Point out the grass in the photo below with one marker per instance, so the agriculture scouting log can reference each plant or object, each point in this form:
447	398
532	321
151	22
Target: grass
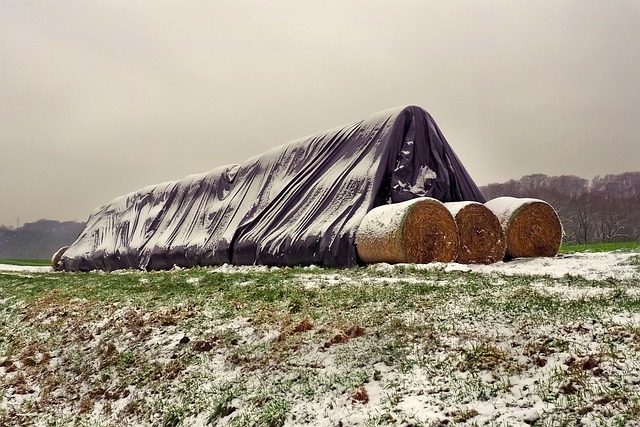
26	262
307	346
600	247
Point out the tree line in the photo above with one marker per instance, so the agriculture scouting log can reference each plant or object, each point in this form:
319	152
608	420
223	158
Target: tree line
603	210
37	240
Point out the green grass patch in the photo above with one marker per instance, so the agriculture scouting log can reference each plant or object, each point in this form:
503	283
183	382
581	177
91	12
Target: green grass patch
287	345
600	247
26	262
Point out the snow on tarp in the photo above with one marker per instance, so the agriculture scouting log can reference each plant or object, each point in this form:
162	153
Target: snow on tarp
298	204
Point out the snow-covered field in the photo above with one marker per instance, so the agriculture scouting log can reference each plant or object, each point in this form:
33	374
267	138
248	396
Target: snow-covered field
590	265
528	342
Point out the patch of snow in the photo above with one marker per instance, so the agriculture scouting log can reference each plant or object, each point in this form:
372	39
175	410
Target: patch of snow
315	281
229	268
421	186
456	207
626	319
504	207
589	265
26	268
382	221
572	292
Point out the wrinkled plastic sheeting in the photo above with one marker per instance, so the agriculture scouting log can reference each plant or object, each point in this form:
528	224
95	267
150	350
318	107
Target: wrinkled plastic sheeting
297	204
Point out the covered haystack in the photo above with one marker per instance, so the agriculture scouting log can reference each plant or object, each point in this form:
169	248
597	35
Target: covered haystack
297	204
482	240
532	227
416	231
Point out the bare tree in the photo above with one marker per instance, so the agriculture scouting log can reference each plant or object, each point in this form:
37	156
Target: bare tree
606	210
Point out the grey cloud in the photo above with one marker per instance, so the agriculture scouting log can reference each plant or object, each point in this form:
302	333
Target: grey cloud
101	98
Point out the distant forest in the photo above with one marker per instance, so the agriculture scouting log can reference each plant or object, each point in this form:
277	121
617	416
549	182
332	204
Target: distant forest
607	209
37	240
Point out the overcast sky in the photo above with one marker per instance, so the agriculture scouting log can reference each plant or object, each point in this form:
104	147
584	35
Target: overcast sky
100	98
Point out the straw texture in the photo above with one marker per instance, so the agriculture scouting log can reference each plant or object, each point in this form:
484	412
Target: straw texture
482	240
532	227
416	231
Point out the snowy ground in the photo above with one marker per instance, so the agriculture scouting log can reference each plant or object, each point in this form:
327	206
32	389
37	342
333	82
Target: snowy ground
527	342
25	268
590	265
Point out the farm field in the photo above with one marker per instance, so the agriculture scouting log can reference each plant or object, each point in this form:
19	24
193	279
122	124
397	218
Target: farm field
600	247
26	262
546	341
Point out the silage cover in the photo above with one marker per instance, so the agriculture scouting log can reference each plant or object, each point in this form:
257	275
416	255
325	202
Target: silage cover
297	204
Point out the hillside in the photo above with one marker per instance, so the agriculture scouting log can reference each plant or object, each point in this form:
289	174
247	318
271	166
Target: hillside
37	240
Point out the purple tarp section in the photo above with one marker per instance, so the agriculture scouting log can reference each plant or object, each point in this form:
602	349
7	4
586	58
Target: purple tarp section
297	204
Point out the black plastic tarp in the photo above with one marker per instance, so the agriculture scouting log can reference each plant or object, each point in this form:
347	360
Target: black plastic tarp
297	204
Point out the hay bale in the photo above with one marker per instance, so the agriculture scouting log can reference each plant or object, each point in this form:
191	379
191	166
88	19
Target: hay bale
532	227
416	231
55	259
482	240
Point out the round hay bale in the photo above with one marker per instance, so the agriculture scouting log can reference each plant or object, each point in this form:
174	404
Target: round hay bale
482	240
55	259
532	227
416	231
